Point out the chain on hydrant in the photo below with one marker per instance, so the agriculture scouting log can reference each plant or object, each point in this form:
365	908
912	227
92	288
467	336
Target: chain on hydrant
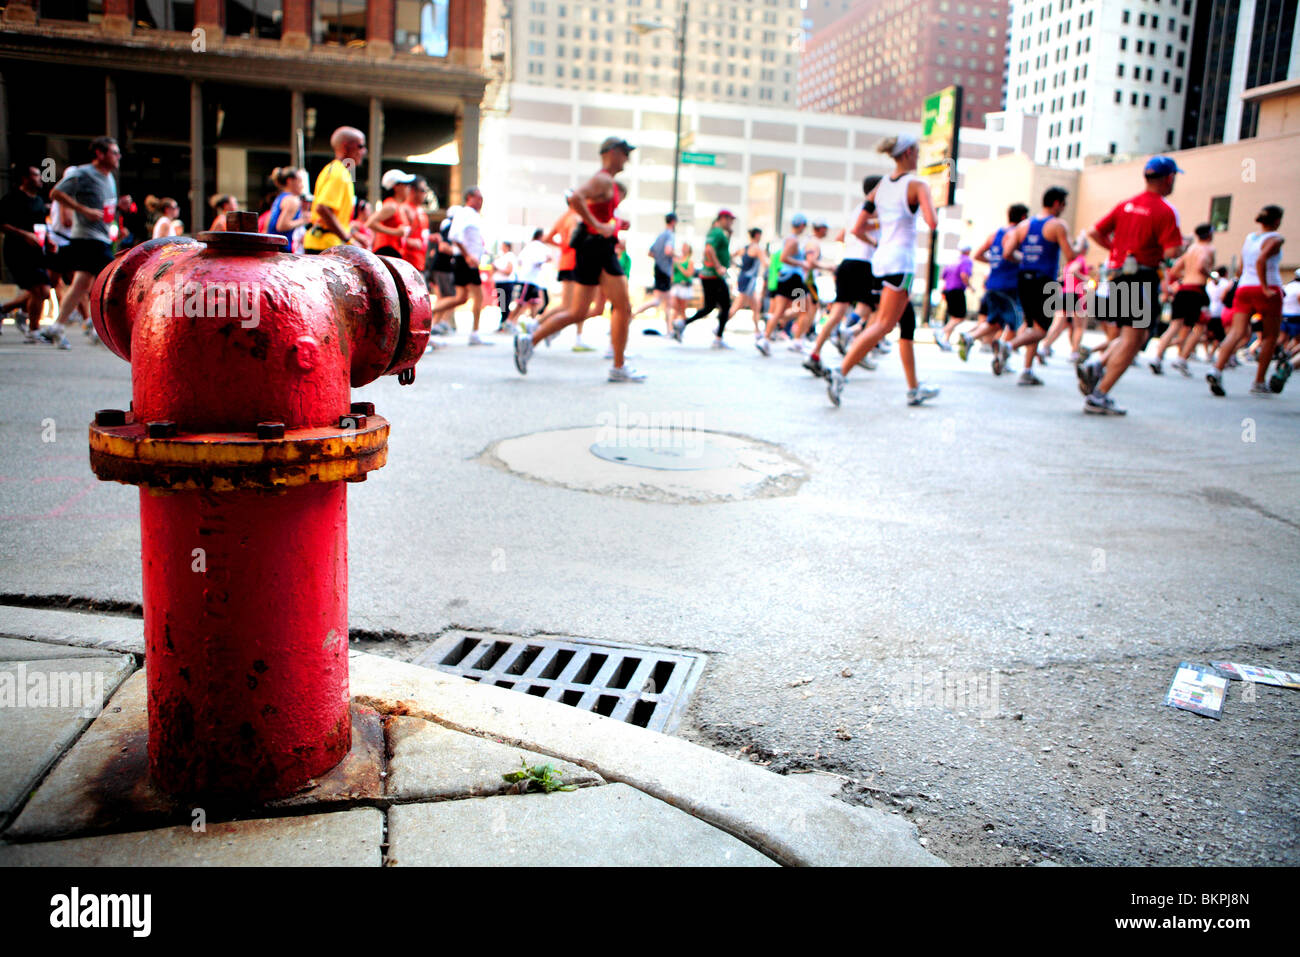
241	436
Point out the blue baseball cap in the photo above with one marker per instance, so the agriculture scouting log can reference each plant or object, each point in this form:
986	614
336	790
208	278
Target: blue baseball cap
799	219
1160	166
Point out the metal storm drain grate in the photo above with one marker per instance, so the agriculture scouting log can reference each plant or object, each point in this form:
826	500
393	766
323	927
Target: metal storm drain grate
644	686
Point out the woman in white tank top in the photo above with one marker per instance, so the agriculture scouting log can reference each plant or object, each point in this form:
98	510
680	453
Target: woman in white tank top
1259	292
898	199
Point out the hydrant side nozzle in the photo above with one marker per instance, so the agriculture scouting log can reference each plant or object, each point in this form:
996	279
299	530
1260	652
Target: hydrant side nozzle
417	319
375	331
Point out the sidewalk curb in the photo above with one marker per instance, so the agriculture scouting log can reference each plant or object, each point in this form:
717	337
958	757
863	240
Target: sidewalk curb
786	819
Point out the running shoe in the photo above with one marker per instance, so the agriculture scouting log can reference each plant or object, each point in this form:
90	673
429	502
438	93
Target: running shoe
1278	379
625	373
997	359
1216	383
920	394
30	337
795	346
678	327
719	343
1028	378
814	365
583	347
963	346
885	346
1084	352
1232	362
1180	365
841	339
1045	353
1098	404
63	342
523	351
1074	358
943	344
1259	388
835	386
763	345
475	340
868	363
1156	367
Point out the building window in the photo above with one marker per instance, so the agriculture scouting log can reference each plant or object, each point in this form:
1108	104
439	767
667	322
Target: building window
1135	99
1146	100
1178	84
176	15
254	18
1123	43
1220	207
1111	151
1119	70
341	22
1169	137
1126	16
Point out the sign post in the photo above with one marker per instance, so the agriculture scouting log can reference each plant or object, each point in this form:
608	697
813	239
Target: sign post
937	165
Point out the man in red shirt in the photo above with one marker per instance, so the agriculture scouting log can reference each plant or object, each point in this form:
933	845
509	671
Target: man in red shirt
1139	233
415	248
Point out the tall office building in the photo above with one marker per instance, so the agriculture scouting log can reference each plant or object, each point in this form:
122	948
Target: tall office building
820	14
736	52
1236	45
884	56
1107	77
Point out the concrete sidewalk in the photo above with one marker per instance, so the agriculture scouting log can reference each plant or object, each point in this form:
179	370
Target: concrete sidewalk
422	785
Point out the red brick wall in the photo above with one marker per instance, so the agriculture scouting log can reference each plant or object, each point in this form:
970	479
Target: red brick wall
297	17
210	12
379	21
465	30
119	8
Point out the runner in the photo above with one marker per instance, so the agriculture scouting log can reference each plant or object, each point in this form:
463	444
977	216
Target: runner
1041	242
1289	347
956	280
335	197
683	287
415	250
662	252
790	287
1259	292
221	203
713	279
753	261
90	192
466	236
167	223
596	267
532	260
1074	307
391	222
855	284
1138	232
22	219
807	315
897	200
504	279
1191	272
999	309
441	270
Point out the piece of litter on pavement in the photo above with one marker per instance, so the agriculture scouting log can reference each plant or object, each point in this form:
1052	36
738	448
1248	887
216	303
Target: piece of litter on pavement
1260	675
1197	689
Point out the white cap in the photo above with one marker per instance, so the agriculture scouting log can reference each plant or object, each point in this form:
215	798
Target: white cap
395	176
905	142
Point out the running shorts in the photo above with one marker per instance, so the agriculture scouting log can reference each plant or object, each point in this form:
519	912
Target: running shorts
745	283
1131	300
1188	303
854	282
663	281
566	275
594	256
392	251
902	281
463	274
28	270
1253	300
445	283
1036	293
92	255
792	288
956	300
999	308
1214	329
1291	325
530	292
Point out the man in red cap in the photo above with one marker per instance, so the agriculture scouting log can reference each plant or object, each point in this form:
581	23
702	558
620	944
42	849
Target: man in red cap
1139	233
713	277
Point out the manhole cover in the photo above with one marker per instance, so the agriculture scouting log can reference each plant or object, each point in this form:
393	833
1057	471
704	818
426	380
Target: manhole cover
675	466
683	457
644	686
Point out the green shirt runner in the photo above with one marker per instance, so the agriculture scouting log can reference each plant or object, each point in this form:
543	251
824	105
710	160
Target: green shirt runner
720	242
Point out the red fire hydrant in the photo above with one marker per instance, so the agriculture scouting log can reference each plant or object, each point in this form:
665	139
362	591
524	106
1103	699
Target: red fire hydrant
241	436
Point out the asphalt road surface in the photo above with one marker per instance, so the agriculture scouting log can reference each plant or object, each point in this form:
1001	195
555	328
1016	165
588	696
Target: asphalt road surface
971	611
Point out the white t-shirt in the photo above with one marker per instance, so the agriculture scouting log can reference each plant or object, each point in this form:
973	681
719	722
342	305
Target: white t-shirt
855	248
467	229
503	268
532	259
1291	298
1216	291
1250	257
897	251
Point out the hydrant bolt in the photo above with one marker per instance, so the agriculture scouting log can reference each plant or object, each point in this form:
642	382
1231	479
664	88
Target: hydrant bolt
270	430
363	408
160	430
110	417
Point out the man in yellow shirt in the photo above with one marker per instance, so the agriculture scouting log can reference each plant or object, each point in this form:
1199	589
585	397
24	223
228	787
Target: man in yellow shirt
335	198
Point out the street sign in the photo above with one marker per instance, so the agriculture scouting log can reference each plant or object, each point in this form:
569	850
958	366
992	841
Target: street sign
940	135
702	159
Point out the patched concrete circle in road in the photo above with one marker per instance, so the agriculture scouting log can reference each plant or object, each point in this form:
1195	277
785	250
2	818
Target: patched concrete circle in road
685	466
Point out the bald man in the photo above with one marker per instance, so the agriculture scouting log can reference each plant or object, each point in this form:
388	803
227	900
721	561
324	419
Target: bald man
335	198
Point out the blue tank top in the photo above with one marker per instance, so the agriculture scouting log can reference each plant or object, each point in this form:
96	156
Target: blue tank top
748	265
275	218
1037	254
788	271
1002	272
